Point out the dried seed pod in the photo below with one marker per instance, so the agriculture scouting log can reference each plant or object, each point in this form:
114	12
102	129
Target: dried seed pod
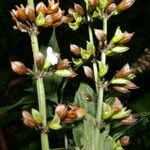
20	13
117	106
30	14
61	110
39	59
100	35
18	67
80	113
78	9
124	72
124	141
125	4
128	120
110	8
126	38
88	72
40	7
28	119
75	49
64	64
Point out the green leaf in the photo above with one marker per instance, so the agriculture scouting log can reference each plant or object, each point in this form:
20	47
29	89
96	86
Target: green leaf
85	54
22	102
90	48
83	93
53	42
51	84
103	69
55	123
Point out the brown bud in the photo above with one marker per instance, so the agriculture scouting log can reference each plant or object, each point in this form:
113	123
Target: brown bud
20	13
80	113
61	110
18	67
41	8
117	106
88	72
128	120
66	19
111	8
124	72
100	35
75	49
71	11
121	89
30	14
125	140
28	119
57	16
130	85
53	8
39	59
126	38
48	21
71	114
78	9
64	64
125	4
22	27
94	3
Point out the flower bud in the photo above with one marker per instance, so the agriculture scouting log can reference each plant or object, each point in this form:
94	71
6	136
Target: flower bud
124	72
61	110
64	64
75	49
71	114
20	13
100	35
30	14
39	57
120	81
48	21
126	38
94	3
28	120
111	8
78	9
130	85
121	114
125	4
80	113
41	8
124	141
18	67
88	72
121	89
65	73
117	106
71	11
128	120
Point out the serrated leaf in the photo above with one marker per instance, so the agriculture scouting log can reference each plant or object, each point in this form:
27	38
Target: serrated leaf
81	99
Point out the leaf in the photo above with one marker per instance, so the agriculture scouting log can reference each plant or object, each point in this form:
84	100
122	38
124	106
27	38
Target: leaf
53	41
82	95
22	102
51	84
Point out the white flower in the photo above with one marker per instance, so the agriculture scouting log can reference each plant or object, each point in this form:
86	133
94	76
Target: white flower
52	57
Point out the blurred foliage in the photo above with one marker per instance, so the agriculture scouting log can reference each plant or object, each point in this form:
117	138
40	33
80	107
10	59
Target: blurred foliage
16	46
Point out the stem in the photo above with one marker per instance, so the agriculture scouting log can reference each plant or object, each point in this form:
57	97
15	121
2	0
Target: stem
40	87
99	145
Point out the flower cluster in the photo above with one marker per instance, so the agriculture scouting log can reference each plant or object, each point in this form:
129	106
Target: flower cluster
27	19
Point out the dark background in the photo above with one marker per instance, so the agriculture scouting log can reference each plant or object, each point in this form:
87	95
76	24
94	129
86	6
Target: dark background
16	46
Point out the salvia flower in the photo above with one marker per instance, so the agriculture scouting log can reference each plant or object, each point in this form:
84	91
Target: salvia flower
52	57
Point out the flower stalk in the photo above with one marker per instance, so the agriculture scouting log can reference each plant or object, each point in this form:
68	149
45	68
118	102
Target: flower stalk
40	88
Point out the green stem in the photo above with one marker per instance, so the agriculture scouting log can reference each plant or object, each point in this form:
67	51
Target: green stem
40	87
98	144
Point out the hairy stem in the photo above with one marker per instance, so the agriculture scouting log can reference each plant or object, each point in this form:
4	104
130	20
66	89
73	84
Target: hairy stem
40	88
